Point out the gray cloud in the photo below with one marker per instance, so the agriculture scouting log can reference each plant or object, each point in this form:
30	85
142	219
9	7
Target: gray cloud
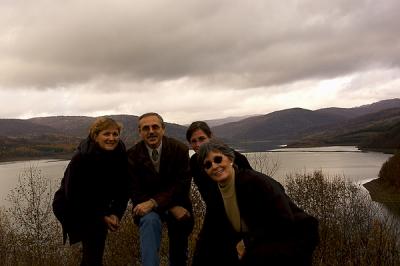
195	59
241	44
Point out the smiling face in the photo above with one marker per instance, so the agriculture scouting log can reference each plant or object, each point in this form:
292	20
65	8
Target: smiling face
107	139
198	137
151	130
218	167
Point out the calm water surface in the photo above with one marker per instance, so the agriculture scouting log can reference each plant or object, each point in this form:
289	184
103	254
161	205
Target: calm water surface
10	171
344	161
348	162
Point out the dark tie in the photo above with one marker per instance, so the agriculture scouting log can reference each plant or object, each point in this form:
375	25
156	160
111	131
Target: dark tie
154	155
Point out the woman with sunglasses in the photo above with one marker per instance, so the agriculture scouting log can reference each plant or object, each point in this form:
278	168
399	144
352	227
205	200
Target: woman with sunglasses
265	226
198	133
209	246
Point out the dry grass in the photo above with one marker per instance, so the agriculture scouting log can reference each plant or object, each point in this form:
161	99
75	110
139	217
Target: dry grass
353	230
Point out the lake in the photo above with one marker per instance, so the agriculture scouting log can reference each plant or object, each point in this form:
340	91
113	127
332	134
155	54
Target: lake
353	164
9	172
349	162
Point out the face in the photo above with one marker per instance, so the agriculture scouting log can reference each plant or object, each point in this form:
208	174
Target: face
198	137
108	139
151	131
218	167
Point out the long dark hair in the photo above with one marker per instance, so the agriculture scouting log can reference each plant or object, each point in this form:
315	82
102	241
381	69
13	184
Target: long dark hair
198	125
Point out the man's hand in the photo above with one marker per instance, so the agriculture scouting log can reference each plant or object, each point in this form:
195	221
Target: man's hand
143	208
112	222
179	213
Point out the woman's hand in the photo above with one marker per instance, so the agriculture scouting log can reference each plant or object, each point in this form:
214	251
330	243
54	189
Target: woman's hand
112	222
179	213
240	249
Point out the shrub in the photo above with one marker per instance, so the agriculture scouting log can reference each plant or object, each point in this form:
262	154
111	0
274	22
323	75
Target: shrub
262	162
5	237
353	229
33	232
390	171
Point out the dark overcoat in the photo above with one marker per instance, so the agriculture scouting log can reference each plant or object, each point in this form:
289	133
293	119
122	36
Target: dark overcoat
94	185
279	233
215	241
171	185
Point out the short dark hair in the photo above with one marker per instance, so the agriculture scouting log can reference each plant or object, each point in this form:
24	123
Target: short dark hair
198	125
215	146
152	114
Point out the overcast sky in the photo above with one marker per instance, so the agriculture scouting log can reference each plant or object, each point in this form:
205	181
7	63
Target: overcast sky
195	60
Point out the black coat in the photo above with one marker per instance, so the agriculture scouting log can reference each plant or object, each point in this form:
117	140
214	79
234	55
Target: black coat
94	185
215	240
279	233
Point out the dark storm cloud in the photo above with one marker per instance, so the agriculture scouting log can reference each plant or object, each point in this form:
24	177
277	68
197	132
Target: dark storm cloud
46	44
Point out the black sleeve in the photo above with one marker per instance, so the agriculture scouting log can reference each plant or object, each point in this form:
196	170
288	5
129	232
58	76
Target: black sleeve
135	189
288	234
241	161
118	204
178	192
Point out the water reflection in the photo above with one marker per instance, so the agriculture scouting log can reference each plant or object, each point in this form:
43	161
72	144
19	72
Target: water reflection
349	162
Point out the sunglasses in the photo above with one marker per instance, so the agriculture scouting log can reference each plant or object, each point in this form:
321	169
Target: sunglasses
217	159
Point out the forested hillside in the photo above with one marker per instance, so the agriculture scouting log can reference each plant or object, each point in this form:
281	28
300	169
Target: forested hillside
380	130
58	136
374	126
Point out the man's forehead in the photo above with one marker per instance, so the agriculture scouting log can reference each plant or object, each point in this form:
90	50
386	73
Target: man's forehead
150	121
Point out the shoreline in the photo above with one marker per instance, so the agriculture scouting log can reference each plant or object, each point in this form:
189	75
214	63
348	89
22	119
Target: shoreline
385	194
68	156
35	158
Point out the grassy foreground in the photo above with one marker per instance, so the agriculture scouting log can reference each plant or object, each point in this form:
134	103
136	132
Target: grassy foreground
353	230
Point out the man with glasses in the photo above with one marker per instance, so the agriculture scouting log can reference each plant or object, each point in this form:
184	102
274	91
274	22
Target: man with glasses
159	170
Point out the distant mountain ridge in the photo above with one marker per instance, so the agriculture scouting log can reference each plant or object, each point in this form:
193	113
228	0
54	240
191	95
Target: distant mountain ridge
18	127
363	109
69	125
75	126
285	124
380	130
373	125
221	121
293	125
58	136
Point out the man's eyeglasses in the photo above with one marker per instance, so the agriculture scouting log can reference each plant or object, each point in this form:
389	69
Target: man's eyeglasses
217	159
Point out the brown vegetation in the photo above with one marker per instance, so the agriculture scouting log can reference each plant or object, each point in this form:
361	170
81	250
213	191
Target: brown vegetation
37	147
353	230
386	189
34	236
390	171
